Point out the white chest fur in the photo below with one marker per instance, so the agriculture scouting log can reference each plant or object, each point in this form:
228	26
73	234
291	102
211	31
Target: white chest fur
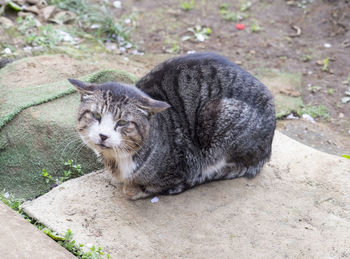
126	165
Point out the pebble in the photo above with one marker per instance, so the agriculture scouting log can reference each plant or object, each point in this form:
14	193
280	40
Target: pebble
117	4
155	199
341	115
7	51
327	45
292	117
6	22
307	117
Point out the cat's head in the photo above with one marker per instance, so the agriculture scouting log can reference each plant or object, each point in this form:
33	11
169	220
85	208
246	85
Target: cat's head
114	116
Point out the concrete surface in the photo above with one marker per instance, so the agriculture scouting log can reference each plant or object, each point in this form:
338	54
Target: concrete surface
19	239
297	207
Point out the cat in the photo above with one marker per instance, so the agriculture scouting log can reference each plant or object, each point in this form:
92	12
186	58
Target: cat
192	119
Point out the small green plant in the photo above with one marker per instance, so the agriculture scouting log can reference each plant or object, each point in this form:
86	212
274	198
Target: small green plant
98	21
223	7
306	58
231	16
187	6
199	33
319	111
48	177
70	244
174	49
346	156
10	201
325	64
72	171
330	91
255	27
245	6
314	88
347	80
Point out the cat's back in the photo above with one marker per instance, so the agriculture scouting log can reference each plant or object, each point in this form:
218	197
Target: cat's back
203	76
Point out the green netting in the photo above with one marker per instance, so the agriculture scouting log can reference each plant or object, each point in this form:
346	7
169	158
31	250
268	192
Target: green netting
42	136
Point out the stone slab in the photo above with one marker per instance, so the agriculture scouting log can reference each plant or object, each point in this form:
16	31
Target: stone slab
19	239
297	207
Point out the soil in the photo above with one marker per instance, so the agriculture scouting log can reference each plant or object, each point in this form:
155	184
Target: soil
161	23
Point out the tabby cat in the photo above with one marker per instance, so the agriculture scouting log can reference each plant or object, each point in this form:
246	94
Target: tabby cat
192	119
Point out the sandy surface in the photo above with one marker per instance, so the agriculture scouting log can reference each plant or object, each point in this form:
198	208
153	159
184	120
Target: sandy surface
298	207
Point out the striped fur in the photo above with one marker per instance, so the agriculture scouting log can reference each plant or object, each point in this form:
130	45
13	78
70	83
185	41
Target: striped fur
220	123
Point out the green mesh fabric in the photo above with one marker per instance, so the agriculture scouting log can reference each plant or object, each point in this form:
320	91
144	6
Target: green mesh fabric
37	131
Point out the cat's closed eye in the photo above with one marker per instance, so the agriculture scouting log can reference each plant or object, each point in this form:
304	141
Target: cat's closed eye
96	116
122	123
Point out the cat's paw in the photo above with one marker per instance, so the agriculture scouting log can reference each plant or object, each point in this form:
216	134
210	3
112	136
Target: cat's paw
134	192
116	182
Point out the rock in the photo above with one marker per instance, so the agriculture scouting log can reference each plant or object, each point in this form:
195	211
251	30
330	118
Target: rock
301	199
24	14
7	51
5	22
63	17
345	99
117	4
307	117
33	9
41	4
32	2
20	2
48	11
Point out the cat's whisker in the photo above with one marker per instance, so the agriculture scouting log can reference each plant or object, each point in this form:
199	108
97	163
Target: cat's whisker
69	143
135	152
76	156
76	149
133	142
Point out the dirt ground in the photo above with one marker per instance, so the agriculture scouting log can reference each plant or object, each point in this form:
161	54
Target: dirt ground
160	24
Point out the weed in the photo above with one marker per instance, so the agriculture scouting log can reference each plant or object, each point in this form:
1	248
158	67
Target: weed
223	7
71	171
325	64
199	33
306	58
231	16
48	177
70	244
314	88
319	111
10	201
187	6
98	21
346	156
347	80
330	91
245	6
255	27
174	49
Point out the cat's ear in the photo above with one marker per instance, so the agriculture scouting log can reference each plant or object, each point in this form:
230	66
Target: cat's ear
152	105
82	87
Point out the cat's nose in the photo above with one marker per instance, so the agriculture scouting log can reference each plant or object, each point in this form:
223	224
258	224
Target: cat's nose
103	137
